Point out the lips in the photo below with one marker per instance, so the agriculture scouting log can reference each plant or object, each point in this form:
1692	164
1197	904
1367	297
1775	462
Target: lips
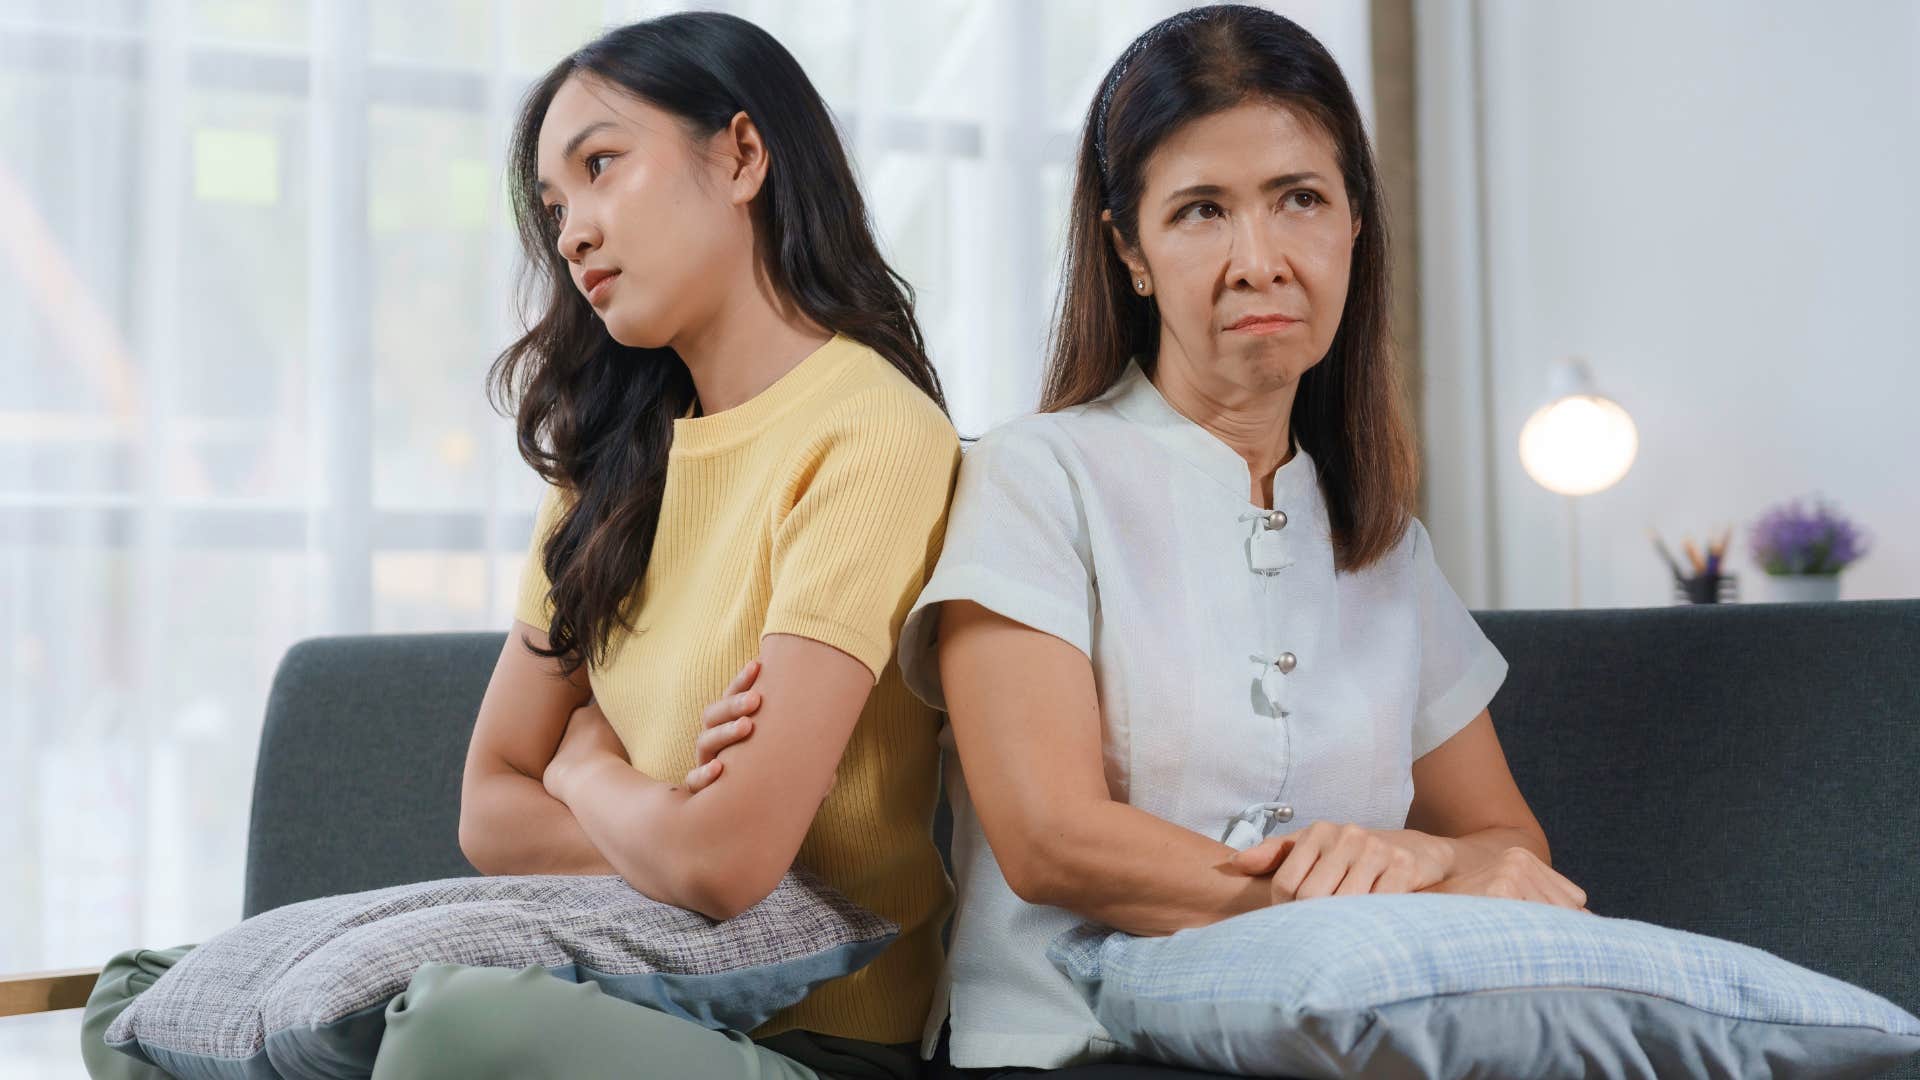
593	279
1262	322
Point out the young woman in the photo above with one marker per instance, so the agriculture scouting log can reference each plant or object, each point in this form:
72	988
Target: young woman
748	456
1198	654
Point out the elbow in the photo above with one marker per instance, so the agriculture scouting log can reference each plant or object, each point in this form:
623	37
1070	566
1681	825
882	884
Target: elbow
1036	864
725	896
482	840
723	887
1031	887
719	906
473	843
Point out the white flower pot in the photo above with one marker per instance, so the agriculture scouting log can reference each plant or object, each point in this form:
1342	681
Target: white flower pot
1791	588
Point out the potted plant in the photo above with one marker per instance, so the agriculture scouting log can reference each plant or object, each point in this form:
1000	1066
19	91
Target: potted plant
1804	549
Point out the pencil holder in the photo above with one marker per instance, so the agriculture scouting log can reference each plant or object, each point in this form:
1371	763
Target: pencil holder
1706	589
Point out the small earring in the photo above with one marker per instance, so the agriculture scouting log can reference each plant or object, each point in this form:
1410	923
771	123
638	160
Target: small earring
1140	283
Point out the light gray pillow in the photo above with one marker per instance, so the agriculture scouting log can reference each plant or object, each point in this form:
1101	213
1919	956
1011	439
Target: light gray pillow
1439	985
301	991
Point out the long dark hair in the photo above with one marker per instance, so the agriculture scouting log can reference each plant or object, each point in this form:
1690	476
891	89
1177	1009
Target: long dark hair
606	410
1350	411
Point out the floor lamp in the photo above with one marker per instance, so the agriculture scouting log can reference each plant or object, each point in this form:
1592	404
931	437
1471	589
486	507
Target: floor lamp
1578	443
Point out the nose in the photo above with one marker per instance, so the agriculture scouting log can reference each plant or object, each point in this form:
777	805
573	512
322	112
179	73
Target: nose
1258	257
579	236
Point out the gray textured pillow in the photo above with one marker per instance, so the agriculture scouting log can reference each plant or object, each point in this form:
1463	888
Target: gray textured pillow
301	991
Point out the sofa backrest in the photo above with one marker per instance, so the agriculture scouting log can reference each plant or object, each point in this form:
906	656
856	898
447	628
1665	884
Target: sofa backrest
1745	771
1740	770
357	785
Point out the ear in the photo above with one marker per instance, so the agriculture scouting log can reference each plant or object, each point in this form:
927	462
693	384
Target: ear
1356	228
1139	278
745	154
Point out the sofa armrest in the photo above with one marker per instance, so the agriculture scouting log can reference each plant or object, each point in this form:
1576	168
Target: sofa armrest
46	991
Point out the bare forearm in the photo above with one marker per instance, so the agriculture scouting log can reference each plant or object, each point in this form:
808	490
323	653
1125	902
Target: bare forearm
1121	866
510	825
642	826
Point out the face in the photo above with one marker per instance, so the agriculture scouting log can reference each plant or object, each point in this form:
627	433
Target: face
652	221
1246	243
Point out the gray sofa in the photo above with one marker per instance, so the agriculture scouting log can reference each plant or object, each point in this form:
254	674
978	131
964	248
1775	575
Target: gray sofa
1746	771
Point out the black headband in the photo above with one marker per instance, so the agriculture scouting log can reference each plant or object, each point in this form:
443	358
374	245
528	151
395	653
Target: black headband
1119	71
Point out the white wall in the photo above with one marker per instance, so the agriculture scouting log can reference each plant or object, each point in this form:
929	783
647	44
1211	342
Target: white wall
1713	202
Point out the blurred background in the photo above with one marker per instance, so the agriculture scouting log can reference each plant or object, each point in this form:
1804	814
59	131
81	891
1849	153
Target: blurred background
254	265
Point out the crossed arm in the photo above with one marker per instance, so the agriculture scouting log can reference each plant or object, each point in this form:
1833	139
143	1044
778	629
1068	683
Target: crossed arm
543	795
1026	722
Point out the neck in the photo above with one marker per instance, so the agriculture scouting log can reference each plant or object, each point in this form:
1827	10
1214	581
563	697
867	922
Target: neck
1254	422
750	341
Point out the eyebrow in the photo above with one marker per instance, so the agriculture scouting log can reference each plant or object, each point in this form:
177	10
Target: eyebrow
573	144
1192	191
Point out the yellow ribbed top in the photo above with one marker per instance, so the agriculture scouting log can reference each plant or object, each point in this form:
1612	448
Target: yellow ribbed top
815	508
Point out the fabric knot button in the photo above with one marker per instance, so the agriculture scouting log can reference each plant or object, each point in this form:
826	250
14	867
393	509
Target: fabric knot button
1267	552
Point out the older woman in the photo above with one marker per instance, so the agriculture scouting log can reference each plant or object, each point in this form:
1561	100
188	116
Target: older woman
1197	653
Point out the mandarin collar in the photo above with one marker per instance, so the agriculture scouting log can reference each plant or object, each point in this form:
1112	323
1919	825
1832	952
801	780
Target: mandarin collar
1139	401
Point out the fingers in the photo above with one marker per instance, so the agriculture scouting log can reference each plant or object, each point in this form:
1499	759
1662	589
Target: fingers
745	678
1351	855
1405	872
1397	879
1262	857
715	739
725	722
1541	882
1294	868
729	708
703	775
1563	892
1363	877
1341	850
1535	880
1368	871
1575	892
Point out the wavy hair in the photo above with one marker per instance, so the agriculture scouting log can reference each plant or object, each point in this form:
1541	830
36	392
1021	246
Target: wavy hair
594	417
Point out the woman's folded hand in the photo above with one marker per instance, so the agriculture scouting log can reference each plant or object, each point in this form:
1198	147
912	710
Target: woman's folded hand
723	723
1331	859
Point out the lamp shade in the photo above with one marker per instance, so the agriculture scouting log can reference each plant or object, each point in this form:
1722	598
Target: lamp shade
1580	442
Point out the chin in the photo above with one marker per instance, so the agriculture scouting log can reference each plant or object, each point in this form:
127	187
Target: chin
636	333
1272	363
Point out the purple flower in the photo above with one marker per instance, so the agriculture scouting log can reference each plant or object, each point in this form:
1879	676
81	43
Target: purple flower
1789	539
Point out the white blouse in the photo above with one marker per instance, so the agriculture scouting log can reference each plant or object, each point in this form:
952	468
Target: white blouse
1239	677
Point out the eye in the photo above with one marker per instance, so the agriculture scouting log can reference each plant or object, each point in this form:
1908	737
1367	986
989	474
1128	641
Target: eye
556	213
1199	211
593	173
1313	198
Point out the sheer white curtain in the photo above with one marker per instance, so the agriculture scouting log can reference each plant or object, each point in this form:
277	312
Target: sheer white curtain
253	266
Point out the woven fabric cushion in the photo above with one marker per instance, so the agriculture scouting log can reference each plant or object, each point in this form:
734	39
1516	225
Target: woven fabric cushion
301	991
1441	985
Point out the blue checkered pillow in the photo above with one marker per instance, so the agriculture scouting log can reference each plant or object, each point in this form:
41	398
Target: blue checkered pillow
1429	984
